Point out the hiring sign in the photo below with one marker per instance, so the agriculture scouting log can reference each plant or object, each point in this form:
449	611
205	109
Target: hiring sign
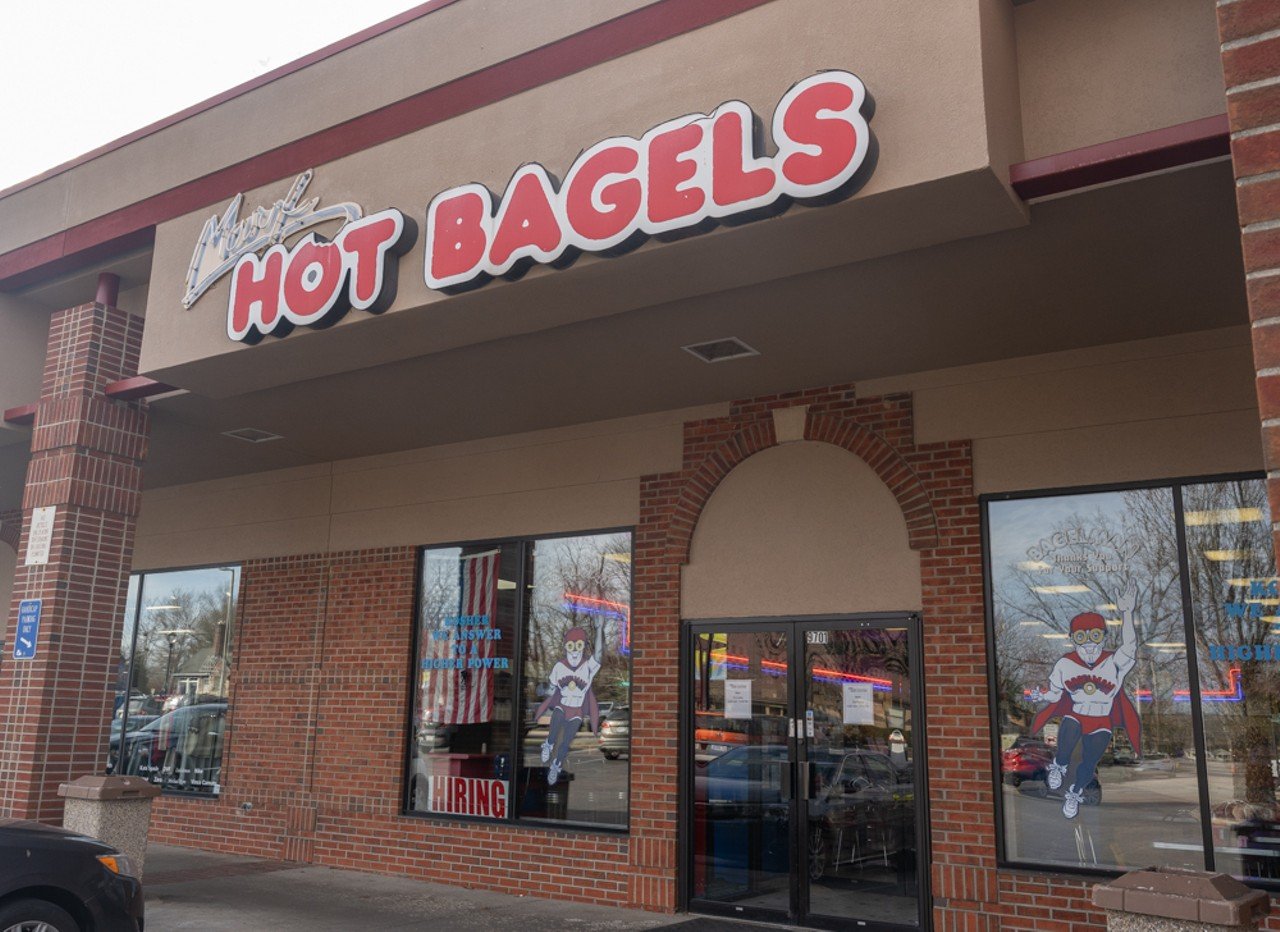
682	177
471	796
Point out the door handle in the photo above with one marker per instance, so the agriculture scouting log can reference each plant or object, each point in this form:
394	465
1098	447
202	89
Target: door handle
804	779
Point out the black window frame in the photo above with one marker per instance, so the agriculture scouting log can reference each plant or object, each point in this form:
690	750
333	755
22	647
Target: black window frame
234	620
1176	485
526	543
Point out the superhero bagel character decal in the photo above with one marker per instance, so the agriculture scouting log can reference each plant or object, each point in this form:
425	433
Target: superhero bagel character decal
1086	689
570	697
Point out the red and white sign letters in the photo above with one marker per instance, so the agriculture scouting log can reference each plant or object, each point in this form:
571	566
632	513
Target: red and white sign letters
681	176
314	282
472	796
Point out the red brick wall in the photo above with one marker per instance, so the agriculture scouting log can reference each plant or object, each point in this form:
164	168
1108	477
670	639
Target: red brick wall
86	455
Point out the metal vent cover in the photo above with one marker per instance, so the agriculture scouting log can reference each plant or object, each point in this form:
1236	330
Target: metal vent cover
721	350
252	435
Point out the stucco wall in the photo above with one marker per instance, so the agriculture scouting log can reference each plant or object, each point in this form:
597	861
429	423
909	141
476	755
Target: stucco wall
1174	406
1095	70
800	529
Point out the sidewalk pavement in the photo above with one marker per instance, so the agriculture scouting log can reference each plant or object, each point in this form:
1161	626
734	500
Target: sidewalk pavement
191	889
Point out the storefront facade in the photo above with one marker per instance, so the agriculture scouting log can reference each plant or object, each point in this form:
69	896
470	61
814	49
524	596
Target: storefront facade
714	457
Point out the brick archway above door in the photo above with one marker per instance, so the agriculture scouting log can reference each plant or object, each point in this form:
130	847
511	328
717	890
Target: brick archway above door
822	424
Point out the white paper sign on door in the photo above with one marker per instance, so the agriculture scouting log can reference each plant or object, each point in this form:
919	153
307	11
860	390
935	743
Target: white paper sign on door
859	707
737	698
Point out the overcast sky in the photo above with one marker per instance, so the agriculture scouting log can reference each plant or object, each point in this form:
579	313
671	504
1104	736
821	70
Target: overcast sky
75	74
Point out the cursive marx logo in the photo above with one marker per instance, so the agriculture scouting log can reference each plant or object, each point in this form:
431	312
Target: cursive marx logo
224	240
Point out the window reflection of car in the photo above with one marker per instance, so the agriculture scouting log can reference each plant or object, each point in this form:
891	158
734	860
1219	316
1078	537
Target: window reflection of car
1025	759
713	735
740	807
615	733
181	749
862	811
136	722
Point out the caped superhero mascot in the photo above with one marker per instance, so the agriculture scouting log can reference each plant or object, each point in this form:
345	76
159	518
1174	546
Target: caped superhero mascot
1086	689
570	697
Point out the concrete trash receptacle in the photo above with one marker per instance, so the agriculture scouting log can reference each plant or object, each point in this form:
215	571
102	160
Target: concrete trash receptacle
115	810
1170	899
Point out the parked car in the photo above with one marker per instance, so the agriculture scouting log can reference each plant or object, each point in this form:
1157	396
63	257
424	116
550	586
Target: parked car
180	749
714	735
1026	759
615	733
53	880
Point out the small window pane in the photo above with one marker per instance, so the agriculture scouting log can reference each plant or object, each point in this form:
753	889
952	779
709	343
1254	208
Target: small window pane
1094	718
179	679
1236	609
461	746
577	681
120	710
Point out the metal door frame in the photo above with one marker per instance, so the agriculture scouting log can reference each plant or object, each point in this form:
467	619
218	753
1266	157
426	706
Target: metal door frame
796	626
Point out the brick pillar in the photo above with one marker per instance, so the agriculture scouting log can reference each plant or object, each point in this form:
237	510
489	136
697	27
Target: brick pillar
86	456
1250	34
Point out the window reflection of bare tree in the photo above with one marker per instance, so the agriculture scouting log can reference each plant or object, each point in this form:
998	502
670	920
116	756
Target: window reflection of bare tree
182	633
1099	550
1232	567
581	582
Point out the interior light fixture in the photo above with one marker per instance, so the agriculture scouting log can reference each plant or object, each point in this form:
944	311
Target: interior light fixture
1034	566
161	608
1060	590
1054	637
1224	556
1222	516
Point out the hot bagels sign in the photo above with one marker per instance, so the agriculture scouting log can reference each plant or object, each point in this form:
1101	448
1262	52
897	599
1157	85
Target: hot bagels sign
681	177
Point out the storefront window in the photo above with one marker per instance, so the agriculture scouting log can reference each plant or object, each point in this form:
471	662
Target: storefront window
462	716
577	681
1097	754
1187	743
1234	597
173	678
523	681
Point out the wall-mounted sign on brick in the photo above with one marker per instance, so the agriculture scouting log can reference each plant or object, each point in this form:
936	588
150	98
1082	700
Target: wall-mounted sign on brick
41	536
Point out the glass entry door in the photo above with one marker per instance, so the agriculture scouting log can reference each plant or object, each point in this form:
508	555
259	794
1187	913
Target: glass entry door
804	770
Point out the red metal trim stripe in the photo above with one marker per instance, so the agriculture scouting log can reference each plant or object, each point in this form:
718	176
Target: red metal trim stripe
22	416
1170	147
594	46
253	84
135	387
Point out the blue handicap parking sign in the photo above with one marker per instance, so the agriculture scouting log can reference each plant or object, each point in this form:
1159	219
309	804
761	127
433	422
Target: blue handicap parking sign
24	642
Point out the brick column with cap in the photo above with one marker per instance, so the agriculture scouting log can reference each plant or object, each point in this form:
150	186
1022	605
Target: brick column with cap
86	458
1250	34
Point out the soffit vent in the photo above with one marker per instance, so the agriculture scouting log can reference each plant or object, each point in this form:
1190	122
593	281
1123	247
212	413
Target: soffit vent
252	435
721	350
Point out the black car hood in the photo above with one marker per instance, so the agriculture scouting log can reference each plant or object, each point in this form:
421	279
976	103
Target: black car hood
18	831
